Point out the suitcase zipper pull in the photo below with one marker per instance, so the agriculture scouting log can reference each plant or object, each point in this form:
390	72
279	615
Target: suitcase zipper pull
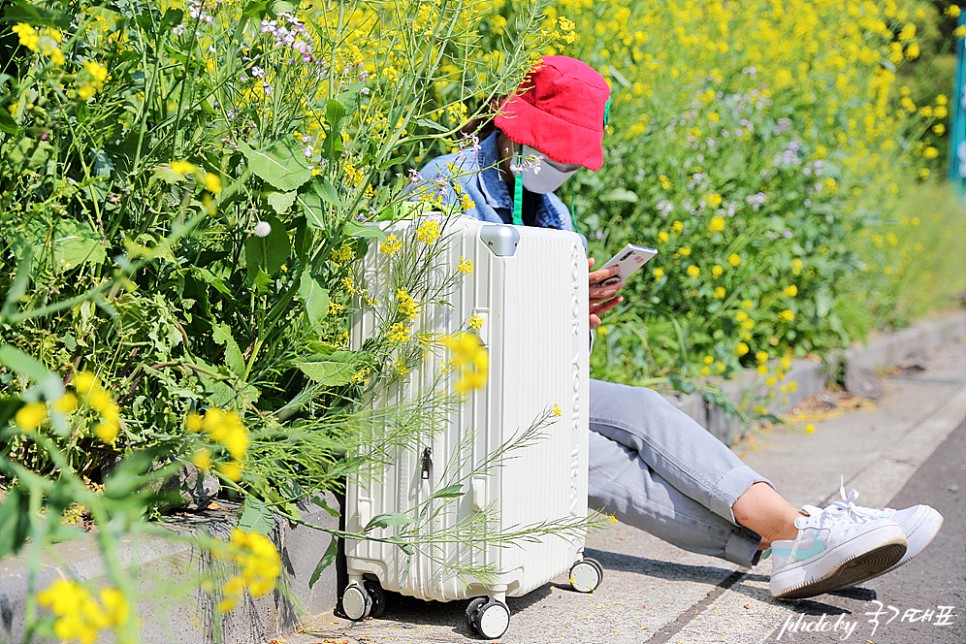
427	462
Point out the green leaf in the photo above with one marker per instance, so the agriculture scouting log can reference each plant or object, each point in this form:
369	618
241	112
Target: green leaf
335	370
281	201
363	231
14	521
281	165
322	503
19	286
332	146
314	210
221	334
23	364
431	125
267	253
76	243
315	298
449	492
620	195
327	192
7	123
327	558
386	520
256	516
212	279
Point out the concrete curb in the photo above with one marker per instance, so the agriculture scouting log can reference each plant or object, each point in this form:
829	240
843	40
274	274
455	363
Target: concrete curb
169	571
859	366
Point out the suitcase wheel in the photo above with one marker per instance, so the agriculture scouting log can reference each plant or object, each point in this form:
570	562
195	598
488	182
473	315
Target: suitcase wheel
586	575
377	596
356	603
487	617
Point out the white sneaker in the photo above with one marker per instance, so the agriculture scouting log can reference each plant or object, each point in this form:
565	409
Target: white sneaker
919	523
833	550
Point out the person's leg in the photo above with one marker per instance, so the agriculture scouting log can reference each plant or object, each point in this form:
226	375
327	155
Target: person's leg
680	452
668	453
622	484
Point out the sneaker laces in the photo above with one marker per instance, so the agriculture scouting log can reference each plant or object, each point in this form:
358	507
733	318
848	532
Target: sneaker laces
848	507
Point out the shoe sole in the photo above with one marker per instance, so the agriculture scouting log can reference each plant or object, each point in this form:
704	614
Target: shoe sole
920	536
857	568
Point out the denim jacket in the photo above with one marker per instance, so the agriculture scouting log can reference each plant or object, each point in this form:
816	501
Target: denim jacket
475	170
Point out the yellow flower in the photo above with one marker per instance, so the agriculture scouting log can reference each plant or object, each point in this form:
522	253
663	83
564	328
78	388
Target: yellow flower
471	359
107	431
428	232
407	305
717	271
465	266
952	11
786	315
791	290
930	152
556	410
662	237
693	271
684	251
761	356
741	349
194	421
717	224
797	266
31	415
809	428
344	254
719	293
734	259
475	322
66	403
715	200
658	273
202	460
399	333
677	227
79	616
85	381
212	183
390	246
762	369
232	470
183	167
28	36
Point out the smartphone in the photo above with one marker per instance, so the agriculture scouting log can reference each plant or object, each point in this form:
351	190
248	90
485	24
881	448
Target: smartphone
630	259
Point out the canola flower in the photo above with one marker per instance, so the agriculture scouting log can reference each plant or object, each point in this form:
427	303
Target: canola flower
31	415
92	80
407	305
390	246
465	266
226	428
471	360
98	398
79	615
45	41
258	563
428	232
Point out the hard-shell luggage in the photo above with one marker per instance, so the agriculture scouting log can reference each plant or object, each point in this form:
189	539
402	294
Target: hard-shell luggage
495	486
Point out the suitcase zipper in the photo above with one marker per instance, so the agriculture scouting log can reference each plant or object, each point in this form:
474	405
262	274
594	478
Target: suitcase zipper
427	462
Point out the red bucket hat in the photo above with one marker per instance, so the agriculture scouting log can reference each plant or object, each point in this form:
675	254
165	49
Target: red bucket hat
559	110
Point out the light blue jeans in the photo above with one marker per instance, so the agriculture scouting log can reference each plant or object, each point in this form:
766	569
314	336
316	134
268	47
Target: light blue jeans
655	468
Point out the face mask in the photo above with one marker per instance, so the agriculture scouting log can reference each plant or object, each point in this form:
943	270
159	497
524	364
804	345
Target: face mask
548	178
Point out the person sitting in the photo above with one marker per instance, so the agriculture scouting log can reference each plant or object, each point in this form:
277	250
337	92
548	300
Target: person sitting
649	463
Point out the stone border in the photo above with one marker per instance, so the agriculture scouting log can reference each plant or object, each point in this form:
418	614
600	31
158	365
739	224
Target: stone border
169	566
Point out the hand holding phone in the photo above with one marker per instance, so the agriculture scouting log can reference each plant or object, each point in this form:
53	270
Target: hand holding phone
629	260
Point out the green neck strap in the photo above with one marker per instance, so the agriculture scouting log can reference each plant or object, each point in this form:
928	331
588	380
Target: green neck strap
518	191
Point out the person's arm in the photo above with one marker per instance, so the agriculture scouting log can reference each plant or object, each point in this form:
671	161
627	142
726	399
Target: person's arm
602	298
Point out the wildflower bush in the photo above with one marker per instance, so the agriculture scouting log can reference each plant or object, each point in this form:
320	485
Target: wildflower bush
770	151
184	193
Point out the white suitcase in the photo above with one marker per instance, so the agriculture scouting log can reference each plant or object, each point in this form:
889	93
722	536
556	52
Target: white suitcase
529	288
